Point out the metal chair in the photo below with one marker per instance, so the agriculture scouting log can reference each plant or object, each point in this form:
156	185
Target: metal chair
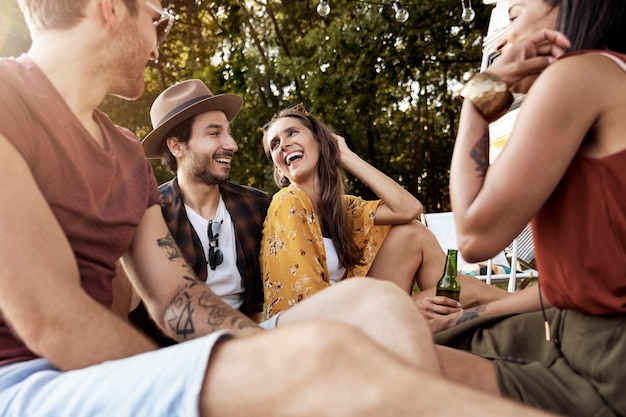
443	227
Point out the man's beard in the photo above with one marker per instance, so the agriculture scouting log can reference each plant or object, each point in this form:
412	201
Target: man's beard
126	70
200	168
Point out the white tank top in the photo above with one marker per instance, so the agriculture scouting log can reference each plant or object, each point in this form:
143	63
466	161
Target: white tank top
335	272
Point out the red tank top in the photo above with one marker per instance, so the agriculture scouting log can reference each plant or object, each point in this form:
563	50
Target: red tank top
580	235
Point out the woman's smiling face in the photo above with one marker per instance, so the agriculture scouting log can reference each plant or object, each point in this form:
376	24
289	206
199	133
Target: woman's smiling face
294	150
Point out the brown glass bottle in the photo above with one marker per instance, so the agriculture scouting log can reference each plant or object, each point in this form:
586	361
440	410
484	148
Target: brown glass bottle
449	285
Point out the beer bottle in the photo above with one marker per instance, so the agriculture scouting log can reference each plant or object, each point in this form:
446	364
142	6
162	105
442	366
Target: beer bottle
449	285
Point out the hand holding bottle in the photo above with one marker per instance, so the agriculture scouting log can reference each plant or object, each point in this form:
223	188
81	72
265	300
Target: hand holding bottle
449	285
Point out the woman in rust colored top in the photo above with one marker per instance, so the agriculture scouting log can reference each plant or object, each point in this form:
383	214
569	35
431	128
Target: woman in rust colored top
562	170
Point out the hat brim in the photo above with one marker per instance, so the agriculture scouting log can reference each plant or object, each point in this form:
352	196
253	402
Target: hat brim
230	104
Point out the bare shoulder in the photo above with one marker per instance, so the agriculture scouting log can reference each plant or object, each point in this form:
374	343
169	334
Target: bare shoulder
16	180
579	82
26	209
583	71
37	252
9	156
592	87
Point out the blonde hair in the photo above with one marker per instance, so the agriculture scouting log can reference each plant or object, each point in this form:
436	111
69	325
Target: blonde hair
42	15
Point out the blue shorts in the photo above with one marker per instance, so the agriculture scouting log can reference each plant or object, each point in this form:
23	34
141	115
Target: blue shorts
165	382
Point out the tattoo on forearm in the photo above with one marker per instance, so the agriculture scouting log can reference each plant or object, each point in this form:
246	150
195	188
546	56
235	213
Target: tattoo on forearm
237	323
470	314
216	313
480	155
181	311
209	308
169	244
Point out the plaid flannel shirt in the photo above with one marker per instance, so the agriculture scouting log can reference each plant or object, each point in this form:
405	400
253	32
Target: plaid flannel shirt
247	207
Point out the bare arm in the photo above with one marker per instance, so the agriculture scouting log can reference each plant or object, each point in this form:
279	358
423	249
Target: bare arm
183	306
40	291
125	298
524	301
399	205
493	203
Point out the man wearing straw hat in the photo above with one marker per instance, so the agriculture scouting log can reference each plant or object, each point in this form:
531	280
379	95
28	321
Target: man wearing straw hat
217	224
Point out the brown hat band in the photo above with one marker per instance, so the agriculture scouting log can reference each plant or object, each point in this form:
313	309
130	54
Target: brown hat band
180	107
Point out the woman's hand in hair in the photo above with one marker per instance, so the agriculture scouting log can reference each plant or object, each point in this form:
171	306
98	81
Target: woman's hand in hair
344	151
529	57
400	206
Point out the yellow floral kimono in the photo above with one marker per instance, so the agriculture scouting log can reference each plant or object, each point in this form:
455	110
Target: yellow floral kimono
293	257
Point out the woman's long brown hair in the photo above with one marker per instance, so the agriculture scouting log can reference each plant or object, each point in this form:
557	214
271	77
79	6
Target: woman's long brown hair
331	209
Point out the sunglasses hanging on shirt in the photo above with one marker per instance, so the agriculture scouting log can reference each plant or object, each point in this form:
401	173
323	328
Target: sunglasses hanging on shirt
215	253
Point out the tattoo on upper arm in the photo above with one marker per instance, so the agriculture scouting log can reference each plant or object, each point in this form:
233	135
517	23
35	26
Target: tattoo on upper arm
169	244
470	314
480	155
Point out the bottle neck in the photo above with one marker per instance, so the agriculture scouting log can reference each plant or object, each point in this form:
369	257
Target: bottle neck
451	262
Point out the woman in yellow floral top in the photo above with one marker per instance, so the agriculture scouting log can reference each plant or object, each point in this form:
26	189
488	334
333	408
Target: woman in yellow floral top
315	235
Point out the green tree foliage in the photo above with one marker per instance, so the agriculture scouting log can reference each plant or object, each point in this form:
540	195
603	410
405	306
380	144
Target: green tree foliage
390	88
14	37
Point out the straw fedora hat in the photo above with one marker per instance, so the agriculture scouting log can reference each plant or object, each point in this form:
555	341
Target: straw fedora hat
183	101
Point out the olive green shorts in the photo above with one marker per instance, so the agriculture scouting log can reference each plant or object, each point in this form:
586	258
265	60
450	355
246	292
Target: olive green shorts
581	371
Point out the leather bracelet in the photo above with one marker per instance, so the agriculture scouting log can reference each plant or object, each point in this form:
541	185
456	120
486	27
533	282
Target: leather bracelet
489	94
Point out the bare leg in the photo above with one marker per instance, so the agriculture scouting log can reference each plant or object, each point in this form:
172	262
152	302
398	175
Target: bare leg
380	309
468	369
329	369
409	253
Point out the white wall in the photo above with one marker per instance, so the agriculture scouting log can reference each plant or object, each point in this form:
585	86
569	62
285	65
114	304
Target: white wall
497	25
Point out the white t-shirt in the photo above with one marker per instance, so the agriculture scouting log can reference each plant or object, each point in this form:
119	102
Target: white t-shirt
225	280
335	272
